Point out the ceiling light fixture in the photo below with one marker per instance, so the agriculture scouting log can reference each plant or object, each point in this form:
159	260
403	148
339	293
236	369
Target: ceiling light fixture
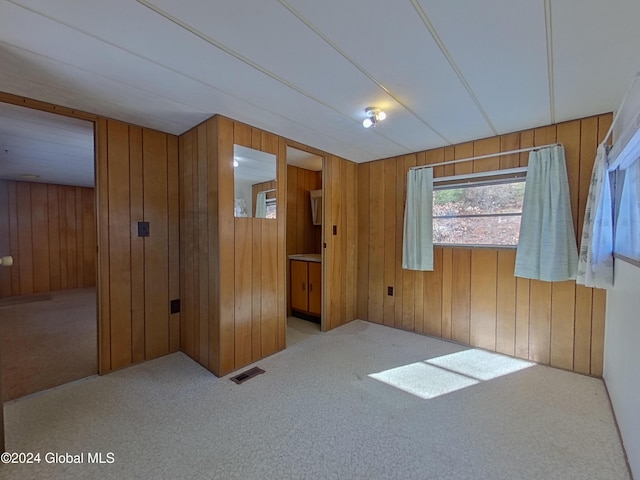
374	115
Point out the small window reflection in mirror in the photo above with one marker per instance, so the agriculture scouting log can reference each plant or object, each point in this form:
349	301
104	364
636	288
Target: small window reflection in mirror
254	183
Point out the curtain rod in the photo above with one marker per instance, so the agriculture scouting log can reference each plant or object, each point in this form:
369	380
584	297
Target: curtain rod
267	191
490	155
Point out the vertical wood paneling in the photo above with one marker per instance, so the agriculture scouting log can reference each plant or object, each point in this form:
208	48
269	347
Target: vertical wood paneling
302	235
377	241
103	270
72	240
226	236
133	272
88	236
506	303
39	222
472	295
25	235
187	247
156	245
136	179
243	292
119	245
88	221
256	295
460	295
391	268
201	232
483	306
363	195
432	296
173	204
5	242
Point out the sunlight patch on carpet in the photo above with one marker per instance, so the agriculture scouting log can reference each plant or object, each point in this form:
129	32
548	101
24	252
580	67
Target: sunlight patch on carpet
445	374
424	381
480	364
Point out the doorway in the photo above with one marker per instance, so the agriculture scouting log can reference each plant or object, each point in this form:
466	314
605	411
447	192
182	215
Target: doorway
48	313
304	238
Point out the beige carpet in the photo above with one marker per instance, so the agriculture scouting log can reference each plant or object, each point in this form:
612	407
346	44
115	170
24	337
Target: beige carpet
317	413
48	342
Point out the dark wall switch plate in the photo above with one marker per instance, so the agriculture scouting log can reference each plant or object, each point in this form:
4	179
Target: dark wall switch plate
390	291
335	229
143	229
175	306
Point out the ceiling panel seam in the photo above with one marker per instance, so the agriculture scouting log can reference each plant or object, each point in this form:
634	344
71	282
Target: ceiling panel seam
363	70
550	76
197	80
238	56
445	51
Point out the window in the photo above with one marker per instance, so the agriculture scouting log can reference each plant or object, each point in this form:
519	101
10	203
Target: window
627	232
483	213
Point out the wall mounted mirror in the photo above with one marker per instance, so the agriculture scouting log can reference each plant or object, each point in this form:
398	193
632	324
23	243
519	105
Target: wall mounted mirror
254	182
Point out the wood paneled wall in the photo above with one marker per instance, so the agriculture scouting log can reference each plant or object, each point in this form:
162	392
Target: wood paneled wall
472	296
340	198
50	231
302	235
233	269
138	276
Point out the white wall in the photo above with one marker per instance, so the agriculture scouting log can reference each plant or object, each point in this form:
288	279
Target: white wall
622	356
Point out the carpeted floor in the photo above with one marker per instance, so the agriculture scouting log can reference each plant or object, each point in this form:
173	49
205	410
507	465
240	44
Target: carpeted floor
318	414
49	341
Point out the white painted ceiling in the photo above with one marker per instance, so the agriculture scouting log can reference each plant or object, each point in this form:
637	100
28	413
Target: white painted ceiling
444	71
56	149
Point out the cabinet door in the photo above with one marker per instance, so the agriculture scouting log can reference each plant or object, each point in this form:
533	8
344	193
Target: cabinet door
315	288
299	285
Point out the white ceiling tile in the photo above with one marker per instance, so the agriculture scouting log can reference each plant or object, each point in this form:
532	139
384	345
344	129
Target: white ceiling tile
500	48
595	54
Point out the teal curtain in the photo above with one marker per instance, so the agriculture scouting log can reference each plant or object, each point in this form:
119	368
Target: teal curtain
547	247
417	241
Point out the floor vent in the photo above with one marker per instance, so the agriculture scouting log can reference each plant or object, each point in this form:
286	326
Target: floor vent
246	375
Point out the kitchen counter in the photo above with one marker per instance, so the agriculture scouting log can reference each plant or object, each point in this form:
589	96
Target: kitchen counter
307	257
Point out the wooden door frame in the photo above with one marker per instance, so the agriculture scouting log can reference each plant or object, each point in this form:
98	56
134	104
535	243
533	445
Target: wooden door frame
324	323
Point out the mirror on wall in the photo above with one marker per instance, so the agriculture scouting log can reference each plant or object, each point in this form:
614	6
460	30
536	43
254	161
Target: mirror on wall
254	182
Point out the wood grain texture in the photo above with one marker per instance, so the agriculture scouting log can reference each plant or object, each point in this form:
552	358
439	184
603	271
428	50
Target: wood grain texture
472	296
156	245
302	235
339	269
235	303
133	272
31	216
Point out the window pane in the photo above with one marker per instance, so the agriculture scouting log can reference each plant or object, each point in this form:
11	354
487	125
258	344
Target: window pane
478	200
477	230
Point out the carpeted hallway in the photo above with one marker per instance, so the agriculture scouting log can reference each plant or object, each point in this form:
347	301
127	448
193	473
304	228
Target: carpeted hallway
47	340
317	413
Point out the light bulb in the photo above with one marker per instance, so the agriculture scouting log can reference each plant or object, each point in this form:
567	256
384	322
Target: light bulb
367	122
235	163
381	115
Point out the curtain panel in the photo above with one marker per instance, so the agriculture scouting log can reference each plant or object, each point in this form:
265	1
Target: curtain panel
547	247
417	241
